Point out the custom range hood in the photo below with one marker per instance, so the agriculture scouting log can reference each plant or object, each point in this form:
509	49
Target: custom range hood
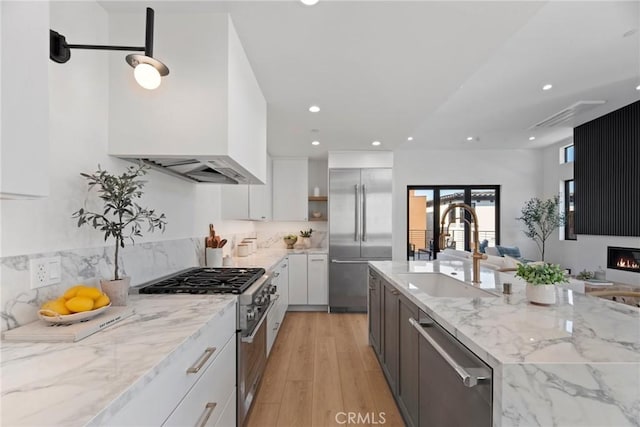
208	123
203	171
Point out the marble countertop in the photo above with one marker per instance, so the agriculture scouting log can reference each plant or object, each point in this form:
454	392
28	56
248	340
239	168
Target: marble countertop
71	384
507	329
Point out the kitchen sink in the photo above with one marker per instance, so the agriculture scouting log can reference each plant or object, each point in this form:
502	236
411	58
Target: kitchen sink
439	285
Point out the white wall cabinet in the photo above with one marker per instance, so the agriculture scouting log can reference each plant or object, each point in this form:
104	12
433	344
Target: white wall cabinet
290	189
317	283
297	279
179	395
249	202
24	82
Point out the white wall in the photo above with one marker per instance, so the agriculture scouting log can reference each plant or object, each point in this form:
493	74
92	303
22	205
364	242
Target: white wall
79	118
586	252
360	159
516	171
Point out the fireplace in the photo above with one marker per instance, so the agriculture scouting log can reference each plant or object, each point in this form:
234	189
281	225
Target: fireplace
625	259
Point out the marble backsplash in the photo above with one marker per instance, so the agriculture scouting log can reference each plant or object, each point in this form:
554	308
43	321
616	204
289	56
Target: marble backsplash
142	262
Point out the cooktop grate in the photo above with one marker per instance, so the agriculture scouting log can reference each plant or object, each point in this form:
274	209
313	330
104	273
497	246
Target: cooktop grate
206	281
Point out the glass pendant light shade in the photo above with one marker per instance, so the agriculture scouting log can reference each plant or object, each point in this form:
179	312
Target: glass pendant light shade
147	76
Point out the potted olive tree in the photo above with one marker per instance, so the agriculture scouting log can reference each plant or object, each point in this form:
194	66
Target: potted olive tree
541	218
120	219
541	281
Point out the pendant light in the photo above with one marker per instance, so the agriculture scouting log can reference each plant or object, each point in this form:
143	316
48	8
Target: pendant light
148	71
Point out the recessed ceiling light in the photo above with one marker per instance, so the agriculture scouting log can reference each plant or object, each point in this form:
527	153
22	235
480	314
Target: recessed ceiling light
315	143
410	138
376	143
314	109
547	86
638	87
531	138
469	138
309	2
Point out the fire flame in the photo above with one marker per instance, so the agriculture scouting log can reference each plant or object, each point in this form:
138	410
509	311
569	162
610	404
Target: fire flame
627	263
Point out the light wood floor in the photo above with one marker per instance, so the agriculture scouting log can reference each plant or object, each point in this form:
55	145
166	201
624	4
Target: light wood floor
321	366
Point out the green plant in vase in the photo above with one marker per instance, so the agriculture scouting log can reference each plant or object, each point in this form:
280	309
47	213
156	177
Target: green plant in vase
541	281
121	217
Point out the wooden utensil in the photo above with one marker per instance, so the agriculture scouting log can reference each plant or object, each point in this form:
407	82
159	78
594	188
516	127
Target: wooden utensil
222	243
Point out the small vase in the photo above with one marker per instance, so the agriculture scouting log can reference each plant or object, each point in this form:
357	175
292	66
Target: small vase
541	294
116	290
306	242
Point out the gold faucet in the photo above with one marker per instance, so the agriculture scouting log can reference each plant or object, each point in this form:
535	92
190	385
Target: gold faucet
477	256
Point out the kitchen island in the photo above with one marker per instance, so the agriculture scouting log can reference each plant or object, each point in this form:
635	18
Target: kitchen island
576	363
90	381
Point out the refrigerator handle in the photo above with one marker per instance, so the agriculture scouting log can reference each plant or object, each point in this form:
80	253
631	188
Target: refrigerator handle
364	214
355	233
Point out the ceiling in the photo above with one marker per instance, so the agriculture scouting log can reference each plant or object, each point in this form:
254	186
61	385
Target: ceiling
437	71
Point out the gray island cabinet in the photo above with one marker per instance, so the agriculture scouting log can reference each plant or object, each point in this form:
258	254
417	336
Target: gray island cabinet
498	360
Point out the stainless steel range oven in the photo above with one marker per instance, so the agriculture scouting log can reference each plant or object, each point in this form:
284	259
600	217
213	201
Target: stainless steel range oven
254	290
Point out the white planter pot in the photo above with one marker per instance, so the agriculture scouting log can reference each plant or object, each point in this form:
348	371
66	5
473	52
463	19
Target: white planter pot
117	290
306	242
541	294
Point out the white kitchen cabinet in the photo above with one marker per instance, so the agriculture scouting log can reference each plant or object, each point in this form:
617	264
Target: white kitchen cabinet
317	283
298	279
24	52
247	202
290	189
204	403
202	363
283	269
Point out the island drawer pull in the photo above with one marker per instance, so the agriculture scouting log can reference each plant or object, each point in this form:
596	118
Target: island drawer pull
469	376
208	352
208	410
395	292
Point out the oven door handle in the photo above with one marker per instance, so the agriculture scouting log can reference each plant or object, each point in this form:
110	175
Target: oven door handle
251	337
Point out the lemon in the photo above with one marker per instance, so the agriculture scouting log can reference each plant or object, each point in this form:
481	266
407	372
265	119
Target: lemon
89	292
73	291
78	304
102	300
57	306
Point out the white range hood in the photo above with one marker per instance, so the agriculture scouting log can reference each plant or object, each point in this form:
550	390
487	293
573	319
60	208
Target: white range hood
207	122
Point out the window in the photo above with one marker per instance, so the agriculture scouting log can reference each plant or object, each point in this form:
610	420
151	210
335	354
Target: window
569	154
569	210
425	206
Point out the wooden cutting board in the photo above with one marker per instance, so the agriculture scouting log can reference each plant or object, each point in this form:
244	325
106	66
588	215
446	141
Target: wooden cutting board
41	331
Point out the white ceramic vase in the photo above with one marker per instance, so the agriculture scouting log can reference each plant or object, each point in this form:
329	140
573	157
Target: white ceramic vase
213	257
541	294
117	290
306	242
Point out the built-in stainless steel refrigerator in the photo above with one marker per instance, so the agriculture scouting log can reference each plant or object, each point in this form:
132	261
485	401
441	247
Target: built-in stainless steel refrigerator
359	230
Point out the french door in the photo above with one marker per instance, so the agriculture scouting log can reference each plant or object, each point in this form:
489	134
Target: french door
427	203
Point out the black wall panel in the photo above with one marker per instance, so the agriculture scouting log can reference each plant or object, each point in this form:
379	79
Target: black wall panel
607	174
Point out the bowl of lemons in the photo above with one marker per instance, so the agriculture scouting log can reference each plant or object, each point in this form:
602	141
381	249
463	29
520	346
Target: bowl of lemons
78	303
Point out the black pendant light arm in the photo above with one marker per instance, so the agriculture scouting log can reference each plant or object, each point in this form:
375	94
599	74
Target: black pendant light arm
60	48
106	47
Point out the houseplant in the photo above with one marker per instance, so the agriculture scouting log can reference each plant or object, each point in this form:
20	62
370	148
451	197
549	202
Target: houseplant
541	281
541	218
120	219
306	237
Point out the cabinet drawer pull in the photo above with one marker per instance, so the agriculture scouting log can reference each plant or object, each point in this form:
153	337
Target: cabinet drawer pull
208	410
316	259
395	292
207	354
276	274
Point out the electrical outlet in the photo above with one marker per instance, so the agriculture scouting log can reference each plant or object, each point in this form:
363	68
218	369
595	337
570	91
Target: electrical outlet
44	271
